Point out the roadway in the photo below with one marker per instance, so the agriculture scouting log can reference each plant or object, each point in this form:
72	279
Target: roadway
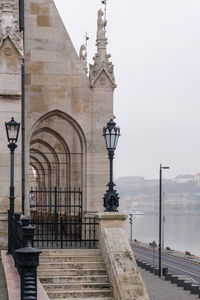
176	266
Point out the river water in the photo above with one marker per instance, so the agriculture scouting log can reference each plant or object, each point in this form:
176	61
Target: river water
180	232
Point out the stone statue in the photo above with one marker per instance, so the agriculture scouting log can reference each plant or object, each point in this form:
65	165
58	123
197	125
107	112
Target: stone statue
100	26
82	53
83	57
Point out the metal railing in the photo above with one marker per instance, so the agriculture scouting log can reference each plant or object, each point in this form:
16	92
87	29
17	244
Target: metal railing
57	216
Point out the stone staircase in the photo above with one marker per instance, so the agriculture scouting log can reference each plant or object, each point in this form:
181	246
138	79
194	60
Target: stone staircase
74	274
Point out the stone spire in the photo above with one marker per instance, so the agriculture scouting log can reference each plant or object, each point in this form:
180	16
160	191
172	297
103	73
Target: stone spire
101	58
9	24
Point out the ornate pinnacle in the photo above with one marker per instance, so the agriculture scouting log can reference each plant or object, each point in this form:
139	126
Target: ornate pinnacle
101	58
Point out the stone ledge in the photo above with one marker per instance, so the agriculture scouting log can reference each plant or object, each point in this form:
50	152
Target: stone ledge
111	216
3	217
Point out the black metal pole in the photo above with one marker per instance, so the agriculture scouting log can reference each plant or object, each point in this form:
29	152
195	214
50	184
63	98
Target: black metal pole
111	157
12	188
21	15
23	135
21	28
160	218
153	255
12	148
131	227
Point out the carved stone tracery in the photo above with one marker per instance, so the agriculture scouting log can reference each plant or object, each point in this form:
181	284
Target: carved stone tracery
9	24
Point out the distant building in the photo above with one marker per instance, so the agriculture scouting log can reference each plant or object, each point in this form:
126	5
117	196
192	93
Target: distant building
197	178
184	178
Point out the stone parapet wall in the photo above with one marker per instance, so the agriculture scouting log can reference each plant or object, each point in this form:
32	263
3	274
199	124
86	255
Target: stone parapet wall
123	271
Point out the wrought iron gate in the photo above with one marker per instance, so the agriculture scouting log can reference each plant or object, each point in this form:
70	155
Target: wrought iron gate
57	216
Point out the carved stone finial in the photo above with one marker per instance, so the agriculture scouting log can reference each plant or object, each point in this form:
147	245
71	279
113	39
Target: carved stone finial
101	58
9	24
83	56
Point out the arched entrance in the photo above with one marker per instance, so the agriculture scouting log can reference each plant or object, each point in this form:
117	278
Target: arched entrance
58	172
58	143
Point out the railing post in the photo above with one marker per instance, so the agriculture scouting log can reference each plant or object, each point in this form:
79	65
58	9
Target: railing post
56	215
25	222
61	232
28	235
9	233
27	260
15	245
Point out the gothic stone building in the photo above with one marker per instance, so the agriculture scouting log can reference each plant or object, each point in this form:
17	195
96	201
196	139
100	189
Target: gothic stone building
62	108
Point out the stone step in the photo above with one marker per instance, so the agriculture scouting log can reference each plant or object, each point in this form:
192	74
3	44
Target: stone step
71	265
74	286
67	258
80	294
70	272
70	252
90	298
65	279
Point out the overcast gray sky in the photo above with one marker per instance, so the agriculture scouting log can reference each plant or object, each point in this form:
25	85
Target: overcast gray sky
155	47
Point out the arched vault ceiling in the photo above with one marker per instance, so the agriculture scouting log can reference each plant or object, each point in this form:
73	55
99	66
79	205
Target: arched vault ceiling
52	132
34	151
65	126
39	165
48	147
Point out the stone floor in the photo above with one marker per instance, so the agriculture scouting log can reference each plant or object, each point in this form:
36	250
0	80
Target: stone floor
159	289
3	289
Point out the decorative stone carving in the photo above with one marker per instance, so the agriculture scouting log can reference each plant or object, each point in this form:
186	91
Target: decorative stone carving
8	51
9	24
101	58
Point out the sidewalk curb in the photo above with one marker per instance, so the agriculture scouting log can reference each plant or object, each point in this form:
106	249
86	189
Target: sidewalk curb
173	279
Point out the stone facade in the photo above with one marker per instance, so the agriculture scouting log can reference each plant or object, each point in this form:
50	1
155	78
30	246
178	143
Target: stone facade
65	108
11	52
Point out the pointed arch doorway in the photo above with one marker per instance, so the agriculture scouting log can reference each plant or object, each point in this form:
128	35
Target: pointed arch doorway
58	171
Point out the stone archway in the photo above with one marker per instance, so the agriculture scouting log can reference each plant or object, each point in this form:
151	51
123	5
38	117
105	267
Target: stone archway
58	152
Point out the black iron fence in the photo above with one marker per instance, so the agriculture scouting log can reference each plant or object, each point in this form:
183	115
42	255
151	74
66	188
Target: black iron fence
65	232
56	202
57	216
57	220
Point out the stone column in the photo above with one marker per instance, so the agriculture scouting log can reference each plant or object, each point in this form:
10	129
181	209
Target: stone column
121	266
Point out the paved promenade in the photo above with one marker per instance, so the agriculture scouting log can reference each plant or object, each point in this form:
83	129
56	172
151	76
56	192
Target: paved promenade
159	289
3	289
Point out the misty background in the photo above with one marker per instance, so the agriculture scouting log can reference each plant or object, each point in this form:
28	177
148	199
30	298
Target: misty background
155	48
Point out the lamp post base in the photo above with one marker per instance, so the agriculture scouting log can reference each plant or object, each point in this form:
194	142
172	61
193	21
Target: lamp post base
111	200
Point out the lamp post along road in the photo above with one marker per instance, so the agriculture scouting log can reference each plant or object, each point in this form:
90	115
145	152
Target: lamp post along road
111	134
160	216
12	132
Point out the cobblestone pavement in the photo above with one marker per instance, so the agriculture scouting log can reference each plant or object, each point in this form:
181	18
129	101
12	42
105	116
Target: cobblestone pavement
159	289
3	289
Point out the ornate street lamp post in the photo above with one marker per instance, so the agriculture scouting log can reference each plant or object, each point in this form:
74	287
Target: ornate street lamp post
12	131
111	134
160	216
